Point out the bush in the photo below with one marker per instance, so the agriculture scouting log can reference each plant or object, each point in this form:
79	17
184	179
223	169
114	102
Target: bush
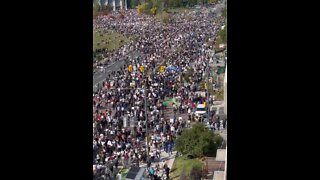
99	57
143	8
198	141
165	17
153	10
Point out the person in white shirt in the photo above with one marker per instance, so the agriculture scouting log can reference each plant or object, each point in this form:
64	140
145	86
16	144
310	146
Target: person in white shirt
172	129
109	143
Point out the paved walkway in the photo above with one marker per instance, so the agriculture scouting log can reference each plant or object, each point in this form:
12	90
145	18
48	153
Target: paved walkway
169	160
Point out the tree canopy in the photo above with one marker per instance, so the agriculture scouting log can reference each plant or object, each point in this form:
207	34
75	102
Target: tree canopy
212	1
165	17
99	9
149	6
198	141
143	8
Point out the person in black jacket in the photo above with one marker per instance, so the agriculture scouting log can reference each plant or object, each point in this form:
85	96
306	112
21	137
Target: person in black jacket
167	172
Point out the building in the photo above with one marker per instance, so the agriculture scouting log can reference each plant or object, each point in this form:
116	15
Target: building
221	174
115	4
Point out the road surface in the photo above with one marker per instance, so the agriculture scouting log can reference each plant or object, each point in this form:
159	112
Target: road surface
101	75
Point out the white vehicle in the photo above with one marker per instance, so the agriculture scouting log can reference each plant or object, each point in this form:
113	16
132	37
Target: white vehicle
99	67
201	93
201	110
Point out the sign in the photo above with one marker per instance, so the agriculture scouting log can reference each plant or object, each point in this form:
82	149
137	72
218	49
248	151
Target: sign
130	68
142	69
162	68
173	68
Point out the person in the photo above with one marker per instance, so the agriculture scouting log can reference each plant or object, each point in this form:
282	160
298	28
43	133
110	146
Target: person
166	146
149	163
156	45
169	148
167	172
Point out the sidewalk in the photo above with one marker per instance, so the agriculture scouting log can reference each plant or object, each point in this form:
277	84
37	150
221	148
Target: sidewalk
163	156
169	160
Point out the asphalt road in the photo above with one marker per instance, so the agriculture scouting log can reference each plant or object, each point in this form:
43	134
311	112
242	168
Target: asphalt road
101	75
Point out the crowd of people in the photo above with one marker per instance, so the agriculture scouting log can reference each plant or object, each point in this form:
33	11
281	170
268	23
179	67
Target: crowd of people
129	109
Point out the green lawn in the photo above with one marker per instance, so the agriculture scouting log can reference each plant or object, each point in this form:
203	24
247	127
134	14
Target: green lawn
218	42
180	163
109	40
219	95
124	173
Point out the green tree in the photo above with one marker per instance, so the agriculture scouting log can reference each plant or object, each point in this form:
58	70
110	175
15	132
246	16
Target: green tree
149	5
99	57
96	7
158	5
174	3
165	3
198	141
133	3
153	10
212	1
143	8
192	2
165	17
